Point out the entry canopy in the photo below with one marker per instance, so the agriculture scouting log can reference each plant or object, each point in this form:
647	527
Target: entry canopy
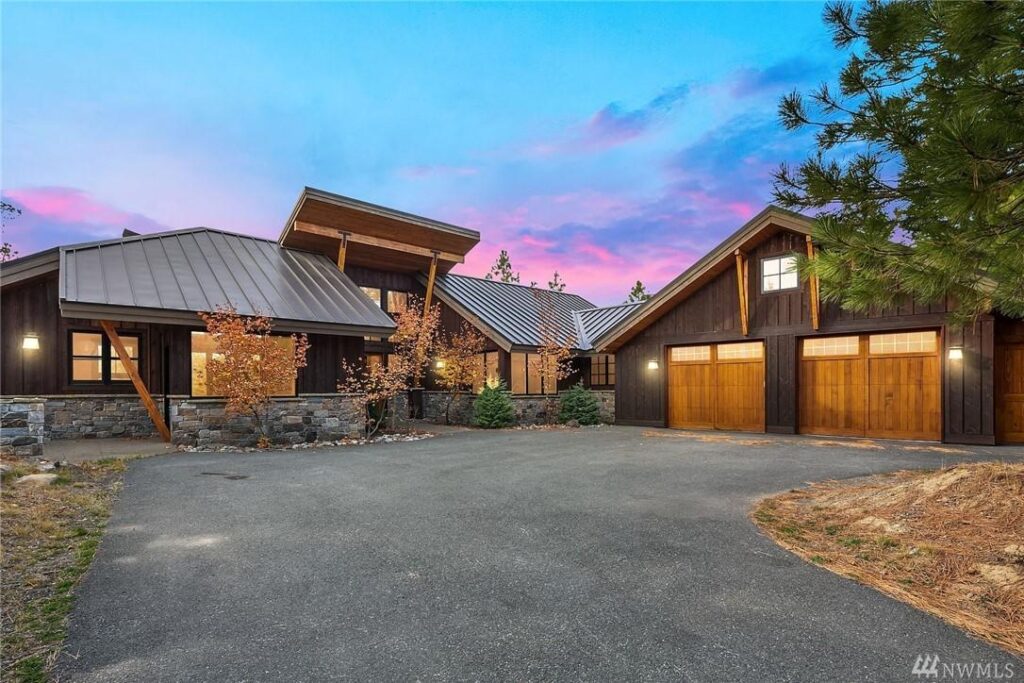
375	236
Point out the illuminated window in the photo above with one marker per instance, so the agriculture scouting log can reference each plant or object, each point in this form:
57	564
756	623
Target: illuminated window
526	375
518	373
373	293
832	346
397	302
740	351
779	273
602	370
373	360
487	370
205	353
94	359
903	342
690	354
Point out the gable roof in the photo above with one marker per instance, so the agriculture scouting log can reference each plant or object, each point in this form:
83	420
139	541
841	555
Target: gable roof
507	313
591	323
759	228
171	276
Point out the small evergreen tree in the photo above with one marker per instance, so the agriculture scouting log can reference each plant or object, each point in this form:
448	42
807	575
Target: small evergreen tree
556	283
638	293
580	404
493	408
502	269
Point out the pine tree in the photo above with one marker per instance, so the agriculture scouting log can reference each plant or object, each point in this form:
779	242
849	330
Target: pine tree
919	172
579	404
502	269
493	408
556	283
638	293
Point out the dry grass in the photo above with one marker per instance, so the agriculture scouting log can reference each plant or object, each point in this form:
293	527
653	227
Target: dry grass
949	541
707	437
50	534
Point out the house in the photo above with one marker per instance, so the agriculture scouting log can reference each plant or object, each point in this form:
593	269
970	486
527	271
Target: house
739	342
78	319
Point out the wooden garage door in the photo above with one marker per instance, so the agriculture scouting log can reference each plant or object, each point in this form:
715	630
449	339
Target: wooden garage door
879	385
1010	393
717	386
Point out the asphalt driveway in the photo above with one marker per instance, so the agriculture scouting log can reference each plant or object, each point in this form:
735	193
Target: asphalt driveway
598	554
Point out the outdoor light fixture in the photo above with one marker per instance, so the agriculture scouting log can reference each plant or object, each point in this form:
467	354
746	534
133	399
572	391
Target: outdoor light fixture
30	342
955	353
439	364
652	365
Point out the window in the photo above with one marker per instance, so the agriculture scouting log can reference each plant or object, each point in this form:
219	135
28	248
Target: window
373	293
94	359
487	370
204	352
832	346
602	370
779	273
526	375
905	342
690	354
740	351
397	302
374	360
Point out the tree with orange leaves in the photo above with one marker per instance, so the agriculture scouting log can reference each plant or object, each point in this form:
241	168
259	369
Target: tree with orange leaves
251	365
552	362
413	341
458	364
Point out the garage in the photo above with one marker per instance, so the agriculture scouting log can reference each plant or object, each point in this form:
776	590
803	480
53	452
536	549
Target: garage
1010	393
716	386
883	386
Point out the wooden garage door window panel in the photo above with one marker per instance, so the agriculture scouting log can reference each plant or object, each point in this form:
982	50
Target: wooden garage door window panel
707	391
889	389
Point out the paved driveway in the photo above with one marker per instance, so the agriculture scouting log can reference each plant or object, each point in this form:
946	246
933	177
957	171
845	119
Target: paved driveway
598	555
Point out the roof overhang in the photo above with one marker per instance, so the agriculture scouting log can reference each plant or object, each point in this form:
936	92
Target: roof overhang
759	228
30	267
163	316
376	236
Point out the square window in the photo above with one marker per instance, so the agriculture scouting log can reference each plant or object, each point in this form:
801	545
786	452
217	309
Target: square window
94	358
397	302
779	273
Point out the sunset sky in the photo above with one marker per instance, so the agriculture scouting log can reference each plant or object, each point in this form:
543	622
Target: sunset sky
612	142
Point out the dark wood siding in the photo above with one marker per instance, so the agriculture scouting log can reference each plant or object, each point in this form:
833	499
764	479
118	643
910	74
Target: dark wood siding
781	319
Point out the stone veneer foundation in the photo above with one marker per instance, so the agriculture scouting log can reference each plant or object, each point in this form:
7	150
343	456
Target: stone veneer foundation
530	410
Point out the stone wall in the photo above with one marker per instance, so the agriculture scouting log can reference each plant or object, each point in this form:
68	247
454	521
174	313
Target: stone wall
98	417
21	426
306	418
530	410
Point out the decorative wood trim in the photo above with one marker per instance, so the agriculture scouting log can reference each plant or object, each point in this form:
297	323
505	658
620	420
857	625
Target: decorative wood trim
313	229
342	248
812	292
140	386
741	286
430	283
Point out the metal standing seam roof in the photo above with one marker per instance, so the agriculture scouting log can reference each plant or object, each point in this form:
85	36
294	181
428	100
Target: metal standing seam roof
171	276
591	323
509	311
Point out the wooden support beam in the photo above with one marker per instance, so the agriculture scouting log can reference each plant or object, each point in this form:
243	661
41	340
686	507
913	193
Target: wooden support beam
741	284
812	287
430	283
342	247
380	242
140	386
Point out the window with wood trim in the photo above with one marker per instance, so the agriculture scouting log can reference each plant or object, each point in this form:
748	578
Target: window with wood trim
903	342
690	354
831	346
602	370
397	301
374	293
740	351
779	273
487	370
95	361
204	351
526	376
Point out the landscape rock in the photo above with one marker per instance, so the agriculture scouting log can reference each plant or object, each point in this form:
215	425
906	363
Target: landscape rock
41	479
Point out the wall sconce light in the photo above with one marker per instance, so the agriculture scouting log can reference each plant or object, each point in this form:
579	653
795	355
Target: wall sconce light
652	365
955	353
439	364
30	342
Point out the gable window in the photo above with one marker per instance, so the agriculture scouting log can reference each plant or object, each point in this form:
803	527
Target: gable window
94	359
779	273
602	370
373	293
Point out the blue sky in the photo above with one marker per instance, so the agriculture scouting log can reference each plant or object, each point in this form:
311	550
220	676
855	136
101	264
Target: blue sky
614	142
